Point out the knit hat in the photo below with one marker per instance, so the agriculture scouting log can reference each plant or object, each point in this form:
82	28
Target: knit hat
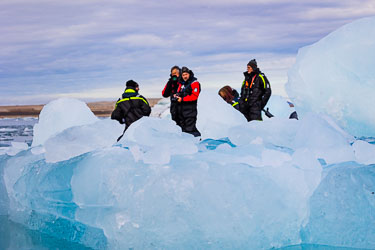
185	70
132	83
253	64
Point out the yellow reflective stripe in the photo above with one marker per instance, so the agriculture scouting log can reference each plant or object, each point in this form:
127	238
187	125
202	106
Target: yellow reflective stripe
131	98
139	98
234	104
122	100
264	82
243	82
129	91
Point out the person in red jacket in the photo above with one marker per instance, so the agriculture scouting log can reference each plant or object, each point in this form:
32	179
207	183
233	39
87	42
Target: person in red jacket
187	96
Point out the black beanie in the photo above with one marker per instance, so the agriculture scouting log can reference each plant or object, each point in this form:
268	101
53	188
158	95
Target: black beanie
132	83
185	69
253	64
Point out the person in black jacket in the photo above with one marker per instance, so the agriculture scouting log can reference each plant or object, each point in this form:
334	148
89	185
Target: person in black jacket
131	106
187	97
170	90
255	92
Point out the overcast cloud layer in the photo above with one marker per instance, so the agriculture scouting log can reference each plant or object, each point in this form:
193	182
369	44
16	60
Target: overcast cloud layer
87	49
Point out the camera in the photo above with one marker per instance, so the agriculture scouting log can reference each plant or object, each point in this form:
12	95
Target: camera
174	98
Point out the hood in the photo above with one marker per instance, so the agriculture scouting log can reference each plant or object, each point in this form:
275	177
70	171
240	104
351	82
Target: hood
129	92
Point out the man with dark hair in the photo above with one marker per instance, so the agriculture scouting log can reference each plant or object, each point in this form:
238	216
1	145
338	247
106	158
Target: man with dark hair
255	92
187	96
131	106
170	90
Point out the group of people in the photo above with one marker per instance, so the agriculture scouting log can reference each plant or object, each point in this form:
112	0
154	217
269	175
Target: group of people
183	89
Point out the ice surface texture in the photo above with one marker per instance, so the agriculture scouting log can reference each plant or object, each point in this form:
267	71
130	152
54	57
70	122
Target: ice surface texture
336	76
268	184
61	114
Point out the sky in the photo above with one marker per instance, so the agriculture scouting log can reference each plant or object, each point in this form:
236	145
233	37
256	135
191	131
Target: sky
88	49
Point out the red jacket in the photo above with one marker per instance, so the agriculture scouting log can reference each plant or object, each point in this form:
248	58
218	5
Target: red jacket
189	92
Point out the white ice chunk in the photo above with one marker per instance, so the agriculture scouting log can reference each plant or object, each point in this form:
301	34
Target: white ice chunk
279	107
215	116
364	152
78	140
16	148
38	150
336	76
161	109
276	131
316	134
61	114
157	140
157	155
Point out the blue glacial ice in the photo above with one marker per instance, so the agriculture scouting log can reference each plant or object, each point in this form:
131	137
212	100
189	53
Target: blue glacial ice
256	185
336	76
266	184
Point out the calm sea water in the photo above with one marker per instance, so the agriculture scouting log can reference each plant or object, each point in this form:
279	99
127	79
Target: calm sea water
15	236
17	130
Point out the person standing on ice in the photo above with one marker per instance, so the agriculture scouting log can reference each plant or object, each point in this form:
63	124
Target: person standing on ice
187	97
131	107
255	92
170	90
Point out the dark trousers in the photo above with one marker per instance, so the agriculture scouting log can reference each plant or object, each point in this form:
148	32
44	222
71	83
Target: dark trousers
251	112
174	112
187	116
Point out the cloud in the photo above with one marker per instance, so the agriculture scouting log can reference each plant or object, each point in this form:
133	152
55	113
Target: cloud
51	48
142	40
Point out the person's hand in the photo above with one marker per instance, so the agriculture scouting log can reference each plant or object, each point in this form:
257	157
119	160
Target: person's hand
179	99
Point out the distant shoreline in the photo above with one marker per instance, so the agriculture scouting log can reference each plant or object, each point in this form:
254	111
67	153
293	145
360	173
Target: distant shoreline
101	109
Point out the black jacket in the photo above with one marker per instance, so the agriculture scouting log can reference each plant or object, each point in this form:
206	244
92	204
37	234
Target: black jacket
130	108
170	88
257	94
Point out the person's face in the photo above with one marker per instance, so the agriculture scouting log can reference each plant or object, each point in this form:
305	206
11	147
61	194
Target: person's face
185	76
222	95
137	88
175	72
249	69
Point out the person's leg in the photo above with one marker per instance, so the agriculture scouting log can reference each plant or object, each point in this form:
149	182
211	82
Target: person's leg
174	113
255	115
245	110
190	119
190	126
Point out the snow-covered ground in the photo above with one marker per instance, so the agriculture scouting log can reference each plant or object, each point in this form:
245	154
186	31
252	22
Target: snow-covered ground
254	185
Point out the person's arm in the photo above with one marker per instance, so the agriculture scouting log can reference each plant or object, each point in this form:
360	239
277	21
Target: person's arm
194	93
145	107
168	88
242	89
117	114
267	92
